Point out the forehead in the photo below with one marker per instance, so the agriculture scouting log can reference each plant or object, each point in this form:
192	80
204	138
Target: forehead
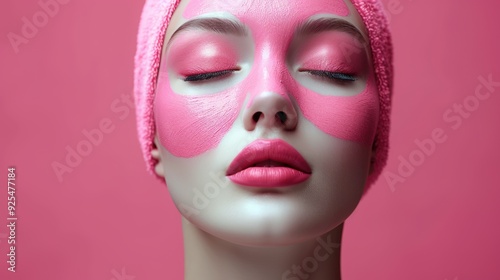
263	15
244	8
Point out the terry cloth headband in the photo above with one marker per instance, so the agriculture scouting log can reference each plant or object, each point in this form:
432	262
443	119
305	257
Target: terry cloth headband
155	17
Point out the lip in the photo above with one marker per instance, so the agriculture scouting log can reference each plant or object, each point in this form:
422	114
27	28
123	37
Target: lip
268	163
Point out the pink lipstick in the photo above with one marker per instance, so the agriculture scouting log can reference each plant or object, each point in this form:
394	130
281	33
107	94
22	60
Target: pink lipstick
268	163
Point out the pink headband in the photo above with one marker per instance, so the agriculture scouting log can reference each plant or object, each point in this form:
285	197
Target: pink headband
154	21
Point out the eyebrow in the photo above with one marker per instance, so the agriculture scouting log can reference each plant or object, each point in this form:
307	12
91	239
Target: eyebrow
217	25
313	26
229	26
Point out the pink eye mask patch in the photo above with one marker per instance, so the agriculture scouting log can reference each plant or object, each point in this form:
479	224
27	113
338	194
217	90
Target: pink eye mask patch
202	120
154	20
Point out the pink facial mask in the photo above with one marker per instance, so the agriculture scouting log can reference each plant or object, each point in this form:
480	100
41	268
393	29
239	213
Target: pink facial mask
191	124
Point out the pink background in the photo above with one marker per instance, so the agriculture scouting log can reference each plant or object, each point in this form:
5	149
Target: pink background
109	219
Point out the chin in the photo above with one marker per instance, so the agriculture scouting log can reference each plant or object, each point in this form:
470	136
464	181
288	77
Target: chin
266	219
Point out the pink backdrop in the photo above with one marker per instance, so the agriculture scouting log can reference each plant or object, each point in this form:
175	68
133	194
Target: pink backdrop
432	215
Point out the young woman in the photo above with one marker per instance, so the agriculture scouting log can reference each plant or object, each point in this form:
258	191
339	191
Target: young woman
267	120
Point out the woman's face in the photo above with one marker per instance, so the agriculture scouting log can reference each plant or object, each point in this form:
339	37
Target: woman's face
265	114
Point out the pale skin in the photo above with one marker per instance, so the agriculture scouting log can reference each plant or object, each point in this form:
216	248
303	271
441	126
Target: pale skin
273	233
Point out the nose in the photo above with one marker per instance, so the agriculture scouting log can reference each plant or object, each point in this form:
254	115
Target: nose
270	110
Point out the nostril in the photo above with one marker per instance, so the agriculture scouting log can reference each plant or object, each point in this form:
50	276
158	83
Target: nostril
281	116
256	116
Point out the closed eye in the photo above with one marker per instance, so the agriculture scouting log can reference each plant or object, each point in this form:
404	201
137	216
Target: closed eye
334	76
208	75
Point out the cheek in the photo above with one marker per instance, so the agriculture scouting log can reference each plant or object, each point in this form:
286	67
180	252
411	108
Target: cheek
353	118
188	126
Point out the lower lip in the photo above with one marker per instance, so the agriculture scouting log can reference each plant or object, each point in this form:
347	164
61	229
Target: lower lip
269	177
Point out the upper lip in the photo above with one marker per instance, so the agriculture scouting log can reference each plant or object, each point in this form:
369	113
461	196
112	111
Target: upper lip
275	150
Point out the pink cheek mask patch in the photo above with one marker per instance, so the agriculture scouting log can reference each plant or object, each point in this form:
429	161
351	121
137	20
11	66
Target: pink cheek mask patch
200	121
188	117
352	117
346	117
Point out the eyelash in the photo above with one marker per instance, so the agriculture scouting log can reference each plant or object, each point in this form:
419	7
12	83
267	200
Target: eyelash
207	76
333	76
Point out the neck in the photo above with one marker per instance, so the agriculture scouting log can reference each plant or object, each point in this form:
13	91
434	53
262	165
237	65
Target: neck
210	258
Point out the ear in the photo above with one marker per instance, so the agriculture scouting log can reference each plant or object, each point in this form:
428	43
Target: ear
156	154
372	157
